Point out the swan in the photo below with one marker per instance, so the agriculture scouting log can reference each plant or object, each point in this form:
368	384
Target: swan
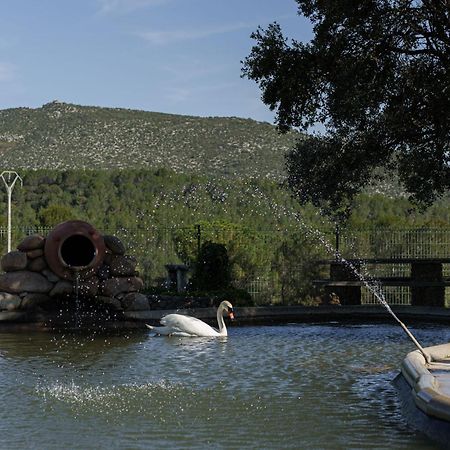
181	325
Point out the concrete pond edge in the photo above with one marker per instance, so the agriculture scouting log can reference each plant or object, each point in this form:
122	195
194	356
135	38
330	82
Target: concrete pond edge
259	315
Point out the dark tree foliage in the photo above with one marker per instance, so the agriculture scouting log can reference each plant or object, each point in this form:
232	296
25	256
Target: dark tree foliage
212	270
376	75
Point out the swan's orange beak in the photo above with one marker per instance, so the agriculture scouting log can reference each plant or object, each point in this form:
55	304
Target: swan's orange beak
231	315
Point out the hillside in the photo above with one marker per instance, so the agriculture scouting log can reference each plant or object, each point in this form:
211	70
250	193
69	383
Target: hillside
64	136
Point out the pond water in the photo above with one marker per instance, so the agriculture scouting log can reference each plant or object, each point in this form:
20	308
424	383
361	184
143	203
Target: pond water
324	386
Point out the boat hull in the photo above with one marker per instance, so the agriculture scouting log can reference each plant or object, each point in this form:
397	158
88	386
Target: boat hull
424	390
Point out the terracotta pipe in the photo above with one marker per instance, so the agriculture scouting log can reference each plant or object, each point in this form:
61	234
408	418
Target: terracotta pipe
74	246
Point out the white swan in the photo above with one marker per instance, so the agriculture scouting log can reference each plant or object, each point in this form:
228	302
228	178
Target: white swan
180	325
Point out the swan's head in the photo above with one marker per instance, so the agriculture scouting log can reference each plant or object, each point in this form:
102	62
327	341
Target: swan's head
228	307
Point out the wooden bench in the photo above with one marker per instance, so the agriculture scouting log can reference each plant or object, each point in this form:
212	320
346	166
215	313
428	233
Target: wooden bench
426	281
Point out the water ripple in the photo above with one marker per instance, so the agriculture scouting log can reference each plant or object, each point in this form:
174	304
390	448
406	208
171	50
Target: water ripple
297	386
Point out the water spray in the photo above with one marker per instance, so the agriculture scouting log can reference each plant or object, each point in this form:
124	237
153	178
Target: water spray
255	193
375	289
369	284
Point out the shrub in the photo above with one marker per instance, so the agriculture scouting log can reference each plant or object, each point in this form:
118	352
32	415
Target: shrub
212	270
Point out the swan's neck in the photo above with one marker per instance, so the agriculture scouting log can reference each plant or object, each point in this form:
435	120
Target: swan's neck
221	322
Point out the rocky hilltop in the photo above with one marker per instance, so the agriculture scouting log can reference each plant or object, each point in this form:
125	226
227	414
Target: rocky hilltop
65	136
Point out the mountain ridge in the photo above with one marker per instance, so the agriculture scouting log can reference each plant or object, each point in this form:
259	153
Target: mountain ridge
63	136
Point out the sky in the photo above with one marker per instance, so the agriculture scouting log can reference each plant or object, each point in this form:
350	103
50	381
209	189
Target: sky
172	56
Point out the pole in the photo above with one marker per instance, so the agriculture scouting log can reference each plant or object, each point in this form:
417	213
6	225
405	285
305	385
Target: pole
9	174
337	240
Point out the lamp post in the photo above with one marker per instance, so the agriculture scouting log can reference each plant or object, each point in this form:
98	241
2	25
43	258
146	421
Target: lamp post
10	177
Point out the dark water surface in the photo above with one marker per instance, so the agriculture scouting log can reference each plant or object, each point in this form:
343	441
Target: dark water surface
295	386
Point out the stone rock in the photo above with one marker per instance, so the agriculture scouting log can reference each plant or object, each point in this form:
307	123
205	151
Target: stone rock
35	253
13	316
9	302
31	301
108	258
135	302
85	274
62	288
103	272
137	283
37	265
114	244
51	276
33	242
13	261
24	280
111	301
114	286
123	266
89	287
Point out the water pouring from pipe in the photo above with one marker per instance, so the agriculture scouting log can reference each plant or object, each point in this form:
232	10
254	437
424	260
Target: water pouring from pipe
73	250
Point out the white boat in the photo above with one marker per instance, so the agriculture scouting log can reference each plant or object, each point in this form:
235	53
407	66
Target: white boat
424	388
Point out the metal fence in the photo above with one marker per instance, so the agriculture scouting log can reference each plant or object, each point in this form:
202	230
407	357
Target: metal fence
274	266
396	243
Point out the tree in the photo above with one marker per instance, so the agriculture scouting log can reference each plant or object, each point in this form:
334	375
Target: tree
55	214
376	76
212	270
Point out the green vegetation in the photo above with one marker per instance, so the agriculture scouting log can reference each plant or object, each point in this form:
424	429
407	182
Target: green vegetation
64	136
162	217
173	183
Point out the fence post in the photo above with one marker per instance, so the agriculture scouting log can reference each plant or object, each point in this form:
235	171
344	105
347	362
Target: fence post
337	241
427	295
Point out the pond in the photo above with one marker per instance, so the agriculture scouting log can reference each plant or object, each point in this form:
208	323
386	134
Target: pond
323	386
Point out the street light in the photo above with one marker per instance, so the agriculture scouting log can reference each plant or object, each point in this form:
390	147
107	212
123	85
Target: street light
7	176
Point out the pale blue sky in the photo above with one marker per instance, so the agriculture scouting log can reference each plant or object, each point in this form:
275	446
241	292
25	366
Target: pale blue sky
174	56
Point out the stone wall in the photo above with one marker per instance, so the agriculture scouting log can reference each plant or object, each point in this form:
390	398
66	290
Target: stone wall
28	284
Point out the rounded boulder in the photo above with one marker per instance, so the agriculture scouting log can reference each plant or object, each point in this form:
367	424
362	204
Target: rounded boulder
115	286
13	261
24	281
123	266
114	244
33	242
9	302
